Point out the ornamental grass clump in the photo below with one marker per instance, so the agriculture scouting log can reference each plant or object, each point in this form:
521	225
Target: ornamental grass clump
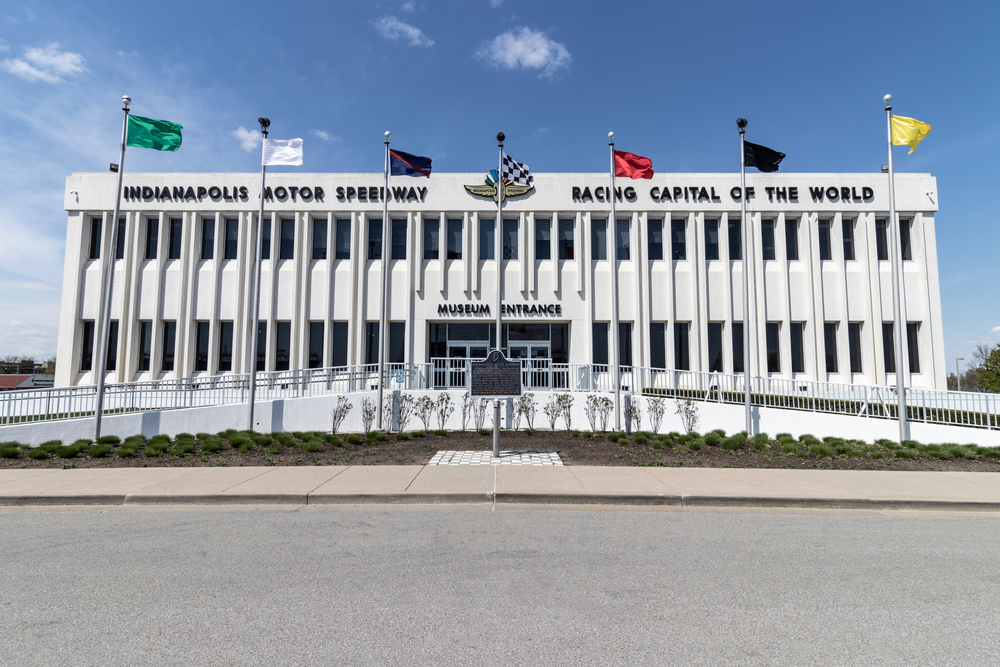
441	433
711	439
311	445
262	439
100	451
789	447
211	446
822	449
108	440
695	444
641	439
353	439
905	453
809	440
733	443
406	436
10	450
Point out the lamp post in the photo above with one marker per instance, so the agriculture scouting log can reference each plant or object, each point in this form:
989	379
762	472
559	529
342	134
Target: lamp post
958	376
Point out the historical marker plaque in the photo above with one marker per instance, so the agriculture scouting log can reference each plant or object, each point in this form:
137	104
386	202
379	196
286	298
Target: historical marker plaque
496	376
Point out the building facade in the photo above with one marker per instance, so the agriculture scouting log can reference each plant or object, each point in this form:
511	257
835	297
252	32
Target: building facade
820	279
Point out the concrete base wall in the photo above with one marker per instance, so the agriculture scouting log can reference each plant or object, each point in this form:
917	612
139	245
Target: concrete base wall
316	414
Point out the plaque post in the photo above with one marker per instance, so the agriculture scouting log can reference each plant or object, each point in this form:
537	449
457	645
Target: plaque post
498	252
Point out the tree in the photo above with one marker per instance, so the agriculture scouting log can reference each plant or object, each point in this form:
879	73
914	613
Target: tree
989	372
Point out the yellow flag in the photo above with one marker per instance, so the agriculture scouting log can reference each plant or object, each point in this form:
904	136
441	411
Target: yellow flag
908	132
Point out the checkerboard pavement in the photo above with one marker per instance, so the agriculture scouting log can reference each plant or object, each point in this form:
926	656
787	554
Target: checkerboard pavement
514	458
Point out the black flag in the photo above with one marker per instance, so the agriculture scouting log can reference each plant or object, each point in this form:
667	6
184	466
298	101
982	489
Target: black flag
761	157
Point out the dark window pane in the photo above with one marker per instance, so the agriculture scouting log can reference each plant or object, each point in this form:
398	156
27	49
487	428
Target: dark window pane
207	238
888	347
455	238
152	237
735	240
487	227
905	251
658	344
95	239
232	242
767	238
265	238
176	227
598	239
261	346
282	346
315	345
343	238
432	241
169	345
655	241
225	346
738	347
120	240
340	334
374	238
396	350
371	342
830	346
201	346
145	343
678	238
543	238
711	239
791	238
559	343
510	226
319	238
398	239
824	240
600	343
624	343
854	343
848	230
682	360
437	346
715	347
287	250
112	360
87	350
912	342
623	229
798	356
566	230
773	357
881	239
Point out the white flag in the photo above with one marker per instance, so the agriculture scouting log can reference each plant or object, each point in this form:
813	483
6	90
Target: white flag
282	152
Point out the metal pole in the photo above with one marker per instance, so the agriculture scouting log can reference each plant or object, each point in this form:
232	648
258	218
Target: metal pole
742	124
498	253
958	375
897	309
613	254
256	263
384	304
109	280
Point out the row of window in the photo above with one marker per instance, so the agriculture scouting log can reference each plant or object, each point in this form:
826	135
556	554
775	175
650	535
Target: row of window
542	230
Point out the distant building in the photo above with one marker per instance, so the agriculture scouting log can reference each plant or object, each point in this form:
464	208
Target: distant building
10	382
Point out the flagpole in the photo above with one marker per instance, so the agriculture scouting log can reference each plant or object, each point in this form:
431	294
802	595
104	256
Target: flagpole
384	303
613	253
897	309
742	124
498	252
256	264
109	279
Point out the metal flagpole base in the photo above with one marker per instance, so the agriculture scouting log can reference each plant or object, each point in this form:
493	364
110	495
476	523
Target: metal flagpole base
496	429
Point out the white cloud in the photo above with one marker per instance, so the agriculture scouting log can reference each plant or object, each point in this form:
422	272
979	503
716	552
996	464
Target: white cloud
995	330
30	14
46	63
408	7
248	138
4	46
527	49
392	28
324	135
495	3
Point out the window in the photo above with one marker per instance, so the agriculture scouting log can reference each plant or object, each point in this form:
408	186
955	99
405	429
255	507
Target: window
598	239
207	238
231	248
396	352
682	348
319	238
543	238
282	346
791	238
371	342
905	250
658	344
486	239
830	345
343	238
340	334
678	243
711	239
169	344
824	239
201	347
432	243
600	345
225	346
882	241
888	347
854	344
112	360
735	240
176	227
95	239
848	230
773	356
767	238
737	331
715	347
798	356
145	343
566	231
624	343
510	238
398	250
152	237
623	228
374	238
912	340
120	240
315	345
87	351
265	238
455	238
287	248
654	233
261	346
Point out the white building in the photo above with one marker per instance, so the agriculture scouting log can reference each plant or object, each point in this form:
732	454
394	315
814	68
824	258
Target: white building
821	290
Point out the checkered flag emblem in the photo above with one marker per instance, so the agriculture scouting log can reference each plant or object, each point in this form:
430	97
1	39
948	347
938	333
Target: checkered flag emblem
516	173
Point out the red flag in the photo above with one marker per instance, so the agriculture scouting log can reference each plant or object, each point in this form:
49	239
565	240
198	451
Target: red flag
632	165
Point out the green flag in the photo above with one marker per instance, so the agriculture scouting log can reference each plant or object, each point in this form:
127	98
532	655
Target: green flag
152	133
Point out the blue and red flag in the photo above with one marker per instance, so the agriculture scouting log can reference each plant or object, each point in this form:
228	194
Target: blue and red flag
404	164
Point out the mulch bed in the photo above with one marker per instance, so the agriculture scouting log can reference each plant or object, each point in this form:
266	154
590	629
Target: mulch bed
575	450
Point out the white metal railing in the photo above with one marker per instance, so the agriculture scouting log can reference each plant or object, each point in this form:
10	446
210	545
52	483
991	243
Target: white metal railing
869	401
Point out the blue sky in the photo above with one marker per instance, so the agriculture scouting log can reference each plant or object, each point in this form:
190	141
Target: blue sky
669	78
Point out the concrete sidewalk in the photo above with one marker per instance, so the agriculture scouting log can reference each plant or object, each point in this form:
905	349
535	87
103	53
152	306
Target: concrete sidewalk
833	489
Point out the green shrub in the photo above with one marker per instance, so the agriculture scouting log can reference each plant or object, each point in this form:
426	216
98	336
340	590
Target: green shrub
50	445
485	431
245	447
810	440
71	451
885	442
852	453
733	442
695	445
152	452
574	433
211	446
673	435
964	452
613	436
205	436
905	453
641	440
587	435
656	445
311	446
418	434
789	447
183	436
238	440
711	439
375	436
9	452
761	446
108	440
183	447
442	432
939	454
835	442
135	440
890	445
876	454
822	449
681	440
335	442
38	453
406	436
760	439
228	432
125	452
910	444
160	438
353	439
783	436
285	439
262	439
100	451
529	431
990	452
273	449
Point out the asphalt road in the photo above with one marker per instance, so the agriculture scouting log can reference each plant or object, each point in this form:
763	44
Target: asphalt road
447	586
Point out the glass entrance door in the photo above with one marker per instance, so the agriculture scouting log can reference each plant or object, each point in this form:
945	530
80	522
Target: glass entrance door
536	360
458	358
